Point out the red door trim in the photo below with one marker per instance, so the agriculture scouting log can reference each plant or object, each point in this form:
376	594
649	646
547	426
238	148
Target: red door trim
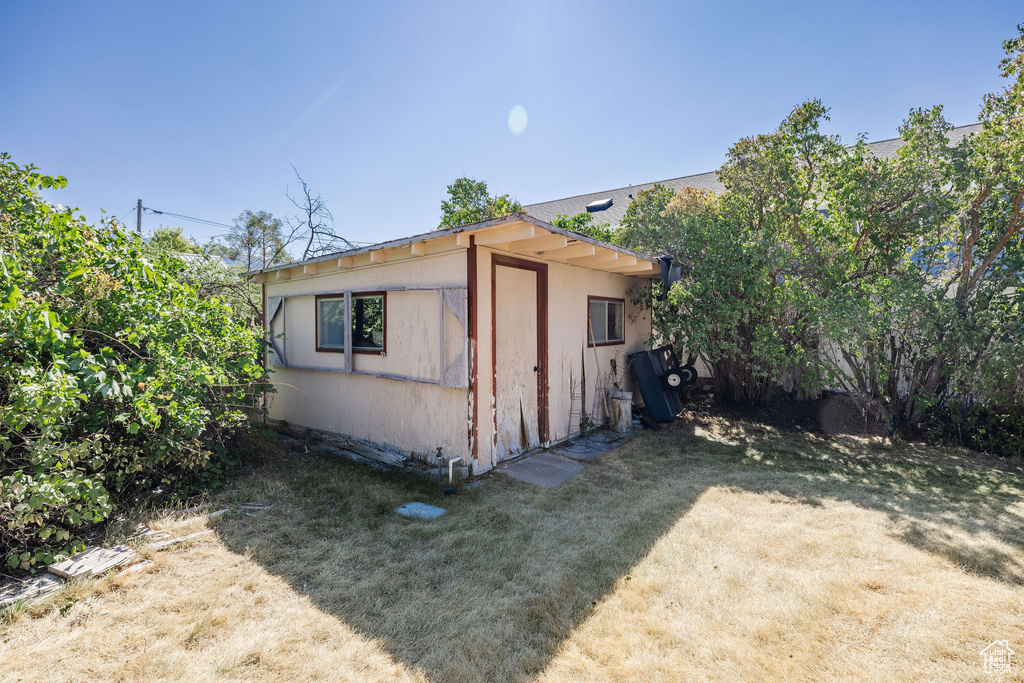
474	382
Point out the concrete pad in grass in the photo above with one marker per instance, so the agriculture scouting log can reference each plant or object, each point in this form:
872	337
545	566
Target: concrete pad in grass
420	511
544	469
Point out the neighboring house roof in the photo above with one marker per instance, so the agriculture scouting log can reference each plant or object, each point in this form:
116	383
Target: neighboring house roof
621	197
517	233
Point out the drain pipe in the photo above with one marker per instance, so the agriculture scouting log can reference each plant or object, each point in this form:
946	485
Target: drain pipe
451	464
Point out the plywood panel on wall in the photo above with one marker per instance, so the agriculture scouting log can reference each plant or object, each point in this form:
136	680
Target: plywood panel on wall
413	343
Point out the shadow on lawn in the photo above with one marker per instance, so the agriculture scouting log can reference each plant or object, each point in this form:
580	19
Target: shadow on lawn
492	589
958	507
487	592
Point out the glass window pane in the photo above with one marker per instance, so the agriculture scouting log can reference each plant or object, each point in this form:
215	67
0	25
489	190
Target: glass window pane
615	321
368	322
331	323
598	321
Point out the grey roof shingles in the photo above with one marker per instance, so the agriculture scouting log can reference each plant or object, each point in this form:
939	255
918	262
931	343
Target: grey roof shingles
621	197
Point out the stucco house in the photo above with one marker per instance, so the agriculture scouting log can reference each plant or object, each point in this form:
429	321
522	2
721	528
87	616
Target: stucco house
486	340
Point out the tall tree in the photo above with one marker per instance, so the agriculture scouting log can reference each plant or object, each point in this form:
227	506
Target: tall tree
469	202
916	267
255	241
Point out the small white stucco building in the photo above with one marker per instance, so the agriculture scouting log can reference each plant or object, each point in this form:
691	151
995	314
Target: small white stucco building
487	340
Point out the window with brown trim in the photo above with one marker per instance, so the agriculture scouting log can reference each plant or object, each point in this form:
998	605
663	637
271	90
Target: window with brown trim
369	322
606	321
330	323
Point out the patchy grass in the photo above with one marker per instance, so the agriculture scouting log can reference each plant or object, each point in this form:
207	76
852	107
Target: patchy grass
725	552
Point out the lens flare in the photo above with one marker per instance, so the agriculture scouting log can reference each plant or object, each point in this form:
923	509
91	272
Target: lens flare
517	120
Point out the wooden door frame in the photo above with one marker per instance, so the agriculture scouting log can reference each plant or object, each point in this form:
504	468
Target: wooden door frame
541	269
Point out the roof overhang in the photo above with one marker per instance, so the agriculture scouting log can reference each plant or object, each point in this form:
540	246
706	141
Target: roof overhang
519	234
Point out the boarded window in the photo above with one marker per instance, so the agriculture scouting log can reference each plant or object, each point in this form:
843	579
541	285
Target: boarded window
330	323
369	322
606	317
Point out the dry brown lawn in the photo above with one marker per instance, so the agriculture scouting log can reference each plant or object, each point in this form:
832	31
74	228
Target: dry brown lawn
725	552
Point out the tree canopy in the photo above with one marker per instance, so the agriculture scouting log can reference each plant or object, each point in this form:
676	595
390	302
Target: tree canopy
173	240
255	240
469	202
584	224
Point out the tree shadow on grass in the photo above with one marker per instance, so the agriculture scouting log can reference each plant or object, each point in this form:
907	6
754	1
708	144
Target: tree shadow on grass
492	589
961	507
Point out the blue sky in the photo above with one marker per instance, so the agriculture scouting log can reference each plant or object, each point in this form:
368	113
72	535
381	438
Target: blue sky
200	108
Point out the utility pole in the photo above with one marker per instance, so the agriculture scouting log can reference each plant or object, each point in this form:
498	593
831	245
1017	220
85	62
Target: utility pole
138	218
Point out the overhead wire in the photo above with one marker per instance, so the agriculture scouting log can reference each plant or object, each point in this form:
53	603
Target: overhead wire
204	221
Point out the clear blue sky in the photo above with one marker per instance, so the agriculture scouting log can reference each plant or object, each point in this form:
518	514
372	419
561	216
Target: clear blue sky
200	107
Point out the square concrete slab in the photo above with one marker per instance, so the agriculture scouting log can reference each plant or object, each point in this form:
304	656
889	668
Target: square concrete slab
544	469
420	511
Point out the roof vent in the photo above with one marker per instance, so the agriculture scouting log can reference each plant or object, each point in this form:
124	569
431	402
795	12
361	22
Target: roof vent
599	205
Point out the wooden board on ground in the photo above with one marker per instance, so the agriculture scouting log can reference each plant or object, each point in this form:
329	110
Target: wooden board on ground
29	589
93	562
360	447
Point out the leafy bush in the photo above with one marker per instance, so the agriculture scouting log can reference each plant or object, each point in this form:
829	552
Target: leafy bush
895	278
734	304
115	377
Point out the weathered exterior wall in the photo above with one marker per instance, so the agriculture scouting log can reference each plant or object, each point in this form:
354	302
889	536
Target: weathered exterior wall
569	357
409	415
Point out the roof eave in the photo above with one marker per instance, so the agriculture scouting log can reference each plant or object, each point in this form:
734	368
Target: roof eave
471	227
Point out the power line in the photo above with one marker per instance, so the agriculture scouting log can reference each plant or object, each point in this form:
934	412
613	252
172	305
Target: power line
201	221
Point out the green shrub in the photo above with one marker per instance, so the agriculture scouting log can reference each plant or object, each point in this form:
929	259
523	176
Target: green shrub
115	377
993	429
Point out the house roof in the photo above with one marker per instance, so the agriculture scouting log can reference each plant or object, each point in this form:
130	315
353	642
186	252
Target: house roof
622	196
517	233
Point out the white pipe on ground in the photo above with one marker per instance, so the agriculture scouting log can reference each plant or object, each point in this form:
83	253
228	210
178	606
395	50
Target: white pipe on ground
451	472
